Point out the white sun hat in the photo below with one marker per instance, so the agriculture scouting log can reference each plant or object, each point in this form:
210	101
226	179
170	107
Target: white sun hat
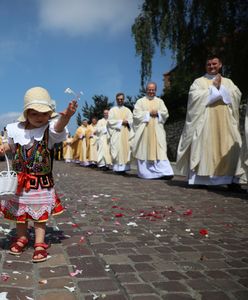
37	98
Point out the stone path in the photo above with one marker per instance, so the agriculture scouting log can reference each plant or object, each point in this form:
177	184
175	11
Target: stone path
126	238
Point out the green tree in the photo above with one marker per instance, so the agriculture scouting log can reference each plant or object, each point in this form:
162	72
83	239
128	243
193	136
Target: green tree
130	101
100	103
79	119
193	29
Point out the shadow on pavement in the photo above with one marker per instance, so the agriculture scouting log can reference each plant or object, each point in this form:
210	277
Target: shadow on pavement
220	190
52	237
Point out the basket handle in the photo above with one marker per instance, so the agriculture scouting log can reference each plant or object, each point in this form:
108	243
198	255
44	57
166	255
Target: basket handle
7	161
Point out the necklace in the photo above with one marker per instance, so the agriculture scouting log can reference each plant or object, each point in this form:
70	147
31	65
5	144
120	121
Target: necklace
29	159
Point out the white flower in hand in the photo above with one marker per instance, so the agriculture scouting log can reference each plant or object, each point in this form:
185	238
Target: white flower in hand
70	91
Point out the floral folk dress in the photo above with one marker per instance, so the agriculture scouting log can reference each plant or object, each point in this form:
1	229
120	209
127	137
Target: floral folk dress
35	198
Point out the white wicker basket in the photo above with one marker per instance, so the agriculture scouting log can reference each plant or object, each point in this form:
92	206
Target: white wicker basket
8	180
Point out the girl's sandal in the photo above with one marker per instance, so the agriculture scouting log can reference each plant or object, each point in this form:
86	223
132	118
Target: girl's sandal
16	245
42	252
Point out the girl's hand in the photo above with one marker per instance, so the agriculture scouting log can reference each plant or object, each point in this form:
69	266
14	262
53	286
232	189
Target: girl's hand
65	116
70	110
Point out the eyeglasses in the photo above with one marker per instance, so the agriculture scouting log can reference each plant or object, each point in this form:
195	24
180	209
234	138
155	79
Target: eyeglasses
120	98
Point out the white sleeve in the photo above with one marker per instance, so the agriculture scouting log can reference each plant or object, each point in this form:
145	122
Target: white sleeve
56	137
160	120
146	117
225	94
214	95
217	94
119	124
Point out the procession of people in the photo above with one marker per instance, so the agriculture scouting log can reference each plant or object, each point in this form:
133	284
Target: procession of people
122	137
210	150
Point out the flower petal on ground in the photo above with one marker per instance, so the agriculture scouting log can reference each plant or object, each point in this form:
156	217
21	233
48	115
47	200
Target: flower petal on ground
76	272
118	215
188	212
4	276
71	289
203	232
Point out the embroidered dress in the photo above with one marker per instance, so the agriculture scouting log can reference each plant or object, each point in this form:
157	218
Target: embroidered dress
35	198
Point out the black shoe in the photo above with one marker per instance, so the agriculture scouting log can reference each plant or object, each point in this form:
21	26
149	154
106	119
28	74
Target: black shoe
93	166
104	168
120	172
168	177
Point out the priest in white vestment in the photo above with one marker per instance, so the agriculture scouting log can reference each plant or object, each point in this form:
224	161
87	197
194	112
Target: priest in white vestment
120	128
67	149
149	145
210	143
79	142
104	161
242	169
91	141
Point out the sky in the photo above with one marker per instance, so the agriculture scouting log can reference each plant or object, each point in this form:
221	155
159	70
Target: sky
85	45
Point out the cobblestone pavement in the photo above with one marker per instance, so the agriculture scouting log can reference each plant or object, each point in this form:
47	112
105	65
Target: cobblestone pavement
126	238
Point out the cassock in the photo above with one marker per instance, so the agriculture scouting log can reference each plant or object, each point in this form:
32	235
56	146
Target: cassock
67	150
242	169
103	147
149	146
210	143
79	146
91	141
120	137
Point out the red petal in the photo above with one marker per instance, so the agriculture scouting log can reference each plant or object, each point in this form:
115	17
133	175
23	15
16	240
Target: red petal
203	231
188	212
82	239
4	277
119	215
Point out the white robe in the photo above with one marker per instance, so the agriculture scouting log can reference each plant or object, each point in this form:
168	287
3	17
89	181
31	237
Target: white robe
195	151
120	137
67	150
91	139
242	169
79	146
103	148
149	145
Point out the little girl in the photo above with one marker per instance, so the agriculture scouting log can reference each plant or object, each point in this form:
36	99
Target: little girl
30	140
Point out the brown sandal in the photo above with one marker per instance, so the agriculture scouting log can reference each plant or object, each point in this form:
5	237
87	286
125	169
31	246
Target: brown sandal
41	252
19	248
